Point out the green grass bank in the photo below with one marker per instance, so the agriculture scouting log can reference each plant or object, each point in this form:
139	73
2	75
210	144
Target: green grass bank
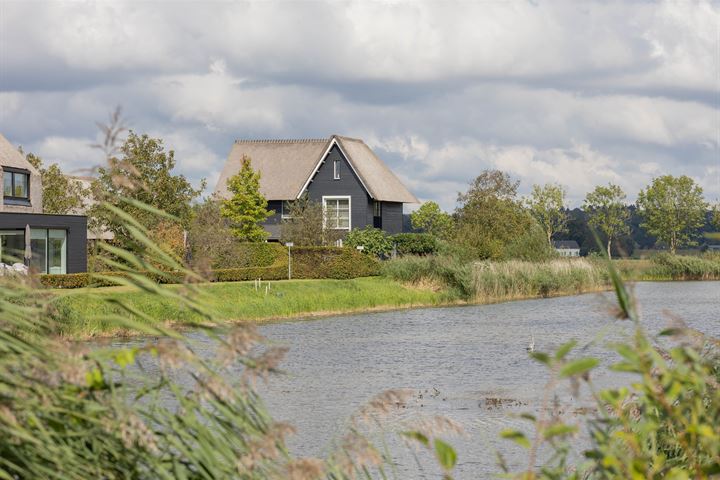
83	313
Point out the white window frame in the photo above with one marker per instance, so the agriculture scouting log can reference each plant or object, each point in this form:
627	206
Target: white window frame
337	197
336	169
283	215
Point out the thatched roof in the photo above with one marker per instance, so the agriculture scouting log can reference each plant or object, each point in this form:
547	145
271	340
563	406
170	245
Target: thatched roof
287	165
11	156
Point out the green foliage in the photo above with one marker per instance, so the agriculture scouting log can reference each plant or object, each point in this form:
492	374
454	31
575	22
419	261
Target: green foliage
247	207
415	243
431	219
547	206
374	240
607	212
445	271
490	216
673	210
531	245
332	262
212	245
492	281
680	267
306	226
141	176
61	194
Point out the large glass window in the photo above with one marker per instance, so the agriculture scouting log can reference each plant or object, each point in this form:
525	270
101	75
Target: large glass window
337	213
48	248
57	251
38	248
12	246
16	184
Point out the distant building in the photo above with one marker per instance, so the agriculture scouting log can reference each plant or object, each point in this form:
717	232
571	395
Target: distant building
567	248
47	243
355	187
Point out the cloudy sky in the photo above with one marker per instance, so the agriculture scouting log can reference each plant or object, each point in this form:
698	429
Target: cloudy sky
579	93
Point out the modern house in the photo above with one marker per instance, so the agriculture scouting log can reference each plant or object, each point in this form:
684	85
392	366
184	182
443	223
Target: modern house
567	248
47	243
355	187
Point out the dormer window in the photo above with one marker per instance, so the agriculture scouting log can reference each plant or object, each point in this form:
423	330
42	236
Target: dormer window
336	169
16	184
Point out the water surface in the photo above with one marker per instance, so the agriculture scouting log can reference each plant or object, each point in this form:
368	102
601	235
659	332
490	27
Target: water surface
454	360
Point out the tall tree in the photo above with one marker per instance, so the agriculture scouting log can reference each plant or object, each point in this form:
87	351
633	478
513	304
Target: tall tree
431	219
673	210
607	212
547	205
303	224
61	194
489	215
247	207
143	171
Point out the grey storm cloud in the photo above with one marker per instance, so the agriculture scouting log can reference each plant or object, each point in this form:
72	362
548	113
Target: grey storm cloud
579	93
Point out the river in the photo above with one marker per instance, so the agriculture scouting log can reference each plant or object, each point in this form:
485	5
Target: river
456	361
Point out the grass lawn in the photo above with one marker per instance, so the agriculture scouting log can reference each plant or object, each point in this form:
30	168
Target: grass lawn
84	312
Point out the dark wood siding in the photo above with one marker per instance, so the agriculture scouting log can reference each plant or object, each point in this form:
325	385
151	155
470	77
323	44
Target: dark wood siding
324	184
392	217
76	226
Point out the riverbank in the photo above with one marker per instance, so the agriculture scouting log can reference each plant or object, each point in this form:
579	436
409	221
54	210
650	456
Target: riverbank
411	282
84	313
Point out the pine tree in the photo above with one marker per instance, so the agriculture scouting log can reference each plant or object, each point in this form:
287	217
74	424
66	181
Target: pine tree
247	207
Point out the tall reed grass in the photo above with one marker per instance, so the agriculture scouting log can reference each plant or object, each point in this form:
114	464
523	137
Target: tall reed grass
494	281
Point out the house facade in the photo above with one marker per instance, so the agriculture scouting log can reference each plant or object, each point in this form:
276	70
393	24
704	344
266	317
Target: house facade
567	248
55	243
355	187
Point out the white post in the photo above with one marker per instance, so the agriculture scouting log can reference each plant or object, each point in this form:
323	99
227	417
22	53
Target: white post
289	244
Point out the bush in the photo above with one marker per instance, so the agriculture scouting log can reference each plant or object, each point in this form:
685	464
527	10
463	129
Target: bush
532	245
247	255
415	243
450	272
681	267
308	262
332	262
373	240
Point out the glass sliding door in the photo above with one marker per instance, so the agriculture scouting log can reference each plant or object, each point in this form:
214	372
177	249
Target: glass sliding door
38	247
12	246
57	251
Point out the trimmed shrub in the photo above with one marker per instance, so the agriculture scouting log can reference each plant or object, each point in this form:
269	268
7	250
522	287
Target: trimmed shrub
415	243
248	255
373	240
308	262
332	262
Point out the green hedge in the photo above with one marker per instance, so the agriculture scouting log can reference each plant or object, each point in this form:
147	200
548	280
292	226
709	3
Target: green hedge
415	243
307	262
332	262
261	254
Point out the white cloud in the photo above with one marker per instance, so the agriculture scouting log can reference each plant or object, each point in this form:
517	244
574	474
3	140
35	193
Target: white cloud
575	92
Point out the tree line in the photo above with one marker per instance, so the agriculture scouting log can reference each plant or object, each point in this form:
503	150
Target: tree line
491	219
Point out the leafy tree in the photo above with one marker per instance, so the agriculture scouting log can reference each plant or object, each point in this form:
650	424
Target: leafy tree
673	210
304	224
490	216
431	219
547	205
142	173
715	217
61	194
531	245
373	240
607	212
247	207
